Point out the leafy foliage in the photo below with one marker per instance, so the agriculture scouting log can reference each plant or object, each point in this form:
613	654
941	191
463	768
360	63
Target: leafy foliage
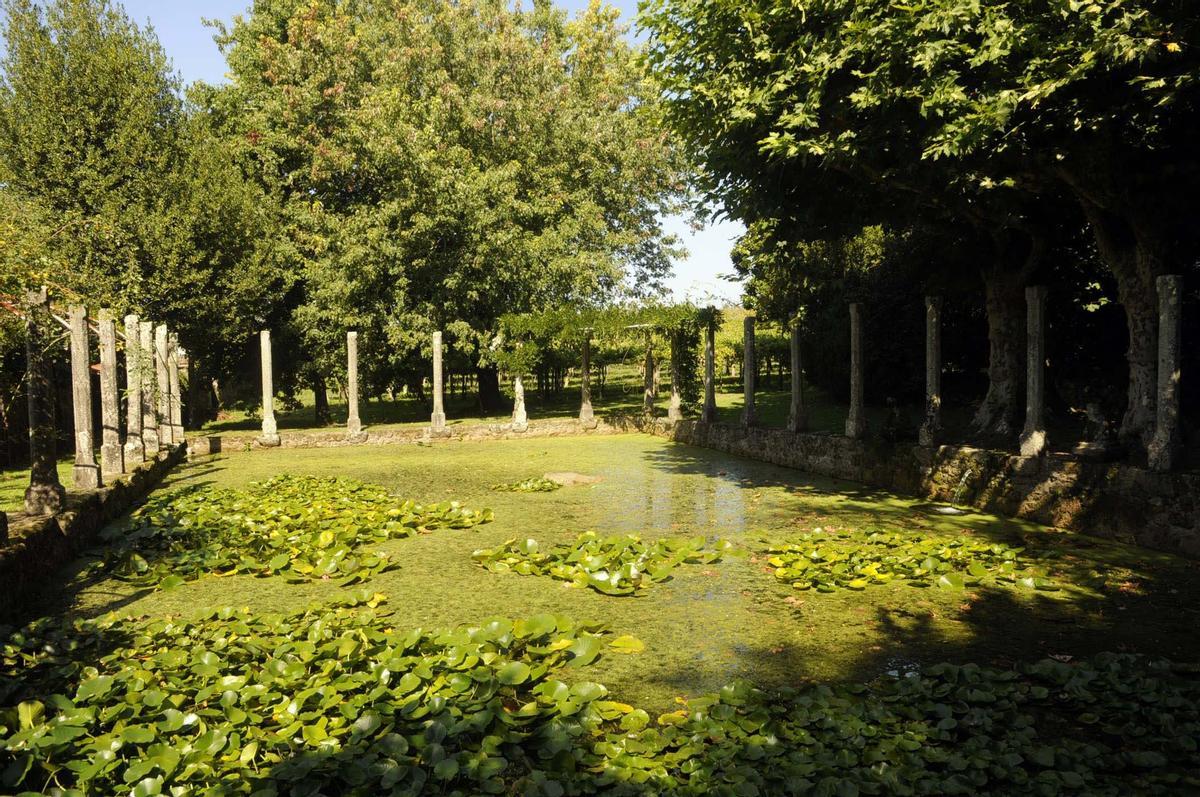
331	696
616	565
333	700
536	484
826	561
301	527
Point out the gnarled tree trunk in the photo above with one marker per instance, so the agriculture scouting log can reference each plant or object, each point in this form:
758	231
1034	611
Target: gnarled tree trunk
323	416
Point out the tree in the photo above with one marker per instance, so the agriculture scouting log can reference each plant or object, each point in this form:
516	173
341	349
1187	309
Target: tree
992	112
439	165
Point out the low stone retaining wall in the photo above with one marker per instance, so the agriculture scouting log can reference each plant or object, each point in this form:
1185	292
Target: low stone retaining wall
333	438
40	545
1134	505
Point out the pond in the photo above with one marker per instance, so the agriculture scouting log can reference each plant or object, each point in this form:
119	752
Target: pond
709	623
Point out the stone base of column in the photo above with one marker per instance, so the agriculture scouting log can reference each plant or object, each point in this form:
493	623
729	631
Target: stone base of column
45	499
674	413
135	453
437	425
749	418
112	461
355	433
1034	443
1164	455
86	477
269	440
587	417
856	427
519	426
797	424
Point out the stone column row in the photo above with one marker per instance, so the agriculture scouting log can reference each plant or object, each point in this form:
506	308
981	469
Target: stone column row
46	493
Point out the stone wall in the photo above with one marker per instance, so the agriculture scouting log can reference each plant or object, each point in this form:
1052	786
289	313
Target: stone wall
38	546
1118	501
335	437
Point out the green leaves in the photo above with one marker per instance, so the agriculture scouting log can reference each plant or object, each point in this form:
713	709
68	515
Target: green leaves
299	527
617	565
825	562
531	485
269	702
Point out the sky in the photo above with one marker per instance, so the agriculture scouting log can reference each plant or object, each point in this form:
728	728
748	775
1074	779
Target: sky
189	43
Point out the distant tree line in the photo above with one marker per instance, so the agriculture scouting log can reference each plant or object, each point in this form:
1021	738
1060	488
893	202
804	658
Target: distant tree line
391	167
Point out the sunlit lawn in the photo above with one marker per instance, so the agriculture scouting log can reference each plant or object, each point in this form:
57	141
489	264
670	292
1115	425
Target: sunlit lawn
710	623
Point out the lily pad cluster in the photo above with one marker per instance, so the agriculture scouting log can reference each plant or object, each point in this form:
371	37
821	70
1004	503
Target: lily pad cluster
301	527
614	565
329	697
333	700
536	484
825	562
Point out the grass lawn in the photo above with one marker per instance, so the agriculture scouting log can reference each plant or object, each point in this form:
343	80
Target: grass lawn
710	623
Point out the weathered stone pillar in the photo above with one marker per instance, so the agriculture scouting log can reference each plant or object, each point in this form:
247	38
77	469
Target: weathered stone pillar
1033	436
112	459
270	431
166	432
797	418
86	473
856	422
45	494
675	409
1166	448
150	436
437	424
587	418
650	387
135	451
931	428
520	419
353	421
177	434
709	413
749	364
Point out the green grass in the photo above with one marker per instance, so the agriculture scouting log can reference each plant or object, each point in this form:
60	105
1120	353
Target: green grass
14	481
710	623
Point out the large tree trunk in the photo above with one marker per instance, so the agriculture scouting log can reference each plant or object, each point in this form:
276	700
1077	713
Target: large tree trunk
321	411
999	414
1132	252
490	398
1015	257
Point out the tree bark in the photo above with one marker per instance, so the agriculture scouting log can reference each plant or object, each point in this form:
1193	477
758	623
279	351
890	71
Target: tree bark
1133	253
321	412
490	398
1015	257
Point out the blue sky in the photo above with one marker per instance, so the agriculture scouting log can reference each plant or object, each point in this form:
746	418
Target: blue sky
189	43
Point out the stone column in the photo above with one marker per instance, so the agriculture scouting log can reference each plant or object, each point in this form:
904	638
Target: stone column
45	494
797	418
749	412
437	422
270	431
931	429
177	434
1166	448
353	421
709	413
135	452
675	409
856	422
166	432
650	389
520	419
86	473
150	436
112	459
1033	436
587	418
